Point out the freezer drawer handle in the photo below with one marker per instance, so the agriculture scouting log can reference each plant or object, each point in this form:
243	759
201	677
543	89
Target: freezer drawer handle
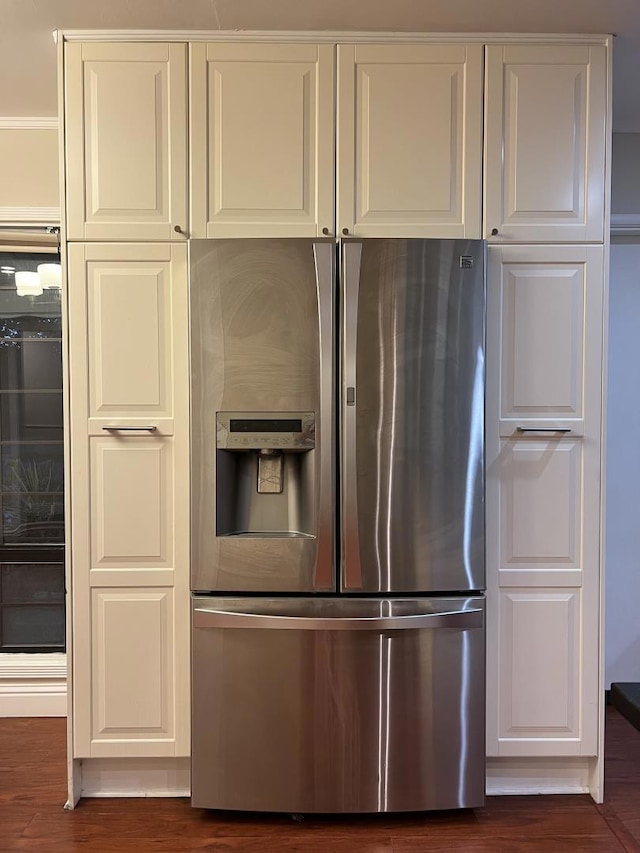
459	619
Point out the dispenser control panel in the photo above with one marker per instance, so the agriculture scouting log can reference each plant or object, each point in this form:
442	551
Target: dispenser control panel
265	430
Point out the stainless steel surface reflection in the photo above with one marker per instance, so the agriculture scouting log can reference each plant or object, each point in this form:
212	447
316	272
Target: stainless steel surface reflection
356	706
412	469
261	341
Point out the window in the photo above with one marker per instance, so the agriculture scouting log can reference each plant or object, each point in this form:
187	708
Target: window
31	455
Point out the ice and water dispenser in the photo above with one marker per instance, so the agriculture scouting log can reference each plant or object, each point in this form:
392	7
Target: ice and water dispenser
265	474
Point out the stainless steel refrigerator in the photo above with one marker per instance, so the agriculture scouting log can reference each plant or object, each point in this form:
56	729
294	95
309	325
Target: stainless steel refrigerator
337	407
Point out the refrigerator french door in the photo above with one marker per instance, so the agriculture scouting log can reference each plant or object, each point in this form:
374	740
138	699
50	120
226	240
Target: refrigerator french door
337	524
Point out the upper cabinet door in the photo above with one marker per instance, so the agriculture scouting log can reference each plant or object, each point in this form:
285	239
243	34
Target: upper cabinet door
126	141
262	135
545	143
410	140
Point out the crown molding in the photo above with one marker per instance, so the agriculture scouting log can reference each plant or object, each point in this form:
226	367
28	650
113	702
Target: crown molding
322	36
28	123
625	223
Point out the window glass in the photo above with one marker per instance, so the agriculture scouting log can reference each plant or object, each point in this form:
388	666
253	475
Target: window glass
33	627
31	417
31	454
24	583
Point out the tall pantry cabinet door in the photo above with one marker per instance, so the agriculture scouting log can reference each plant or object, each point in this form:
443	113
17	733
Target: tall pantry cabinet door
130	499
544	389
409	140
261	136
545	118
126	141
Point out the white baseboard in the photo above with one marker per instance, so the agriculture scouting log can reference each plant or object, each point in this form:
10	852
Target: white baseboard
170	777
538	776
33	685
135	777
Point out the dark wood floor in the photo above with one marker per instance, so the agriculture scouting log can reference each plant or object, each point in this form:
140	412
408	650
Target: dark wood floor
32	792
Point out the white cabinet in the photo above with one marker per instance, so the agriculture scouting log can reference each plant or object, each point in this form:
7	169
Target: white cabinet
299	139
262	136
409	140
130	509
540	708
545	135
133	710
126	141
545	319
544	387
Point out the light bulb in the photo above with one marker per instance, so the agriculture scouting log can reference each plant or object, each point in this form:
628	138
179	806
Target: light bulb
28	283
50	275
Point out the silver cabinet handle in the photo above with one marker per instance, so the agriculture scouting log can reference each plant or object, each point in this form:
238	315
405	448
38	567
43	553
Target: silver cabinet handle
543	429
460	619
130	428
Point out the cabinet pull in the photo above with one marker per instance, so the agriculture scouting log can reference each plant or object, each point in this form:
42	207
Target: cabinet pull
326	232
178	229
494	232
345	231
543	429
130	428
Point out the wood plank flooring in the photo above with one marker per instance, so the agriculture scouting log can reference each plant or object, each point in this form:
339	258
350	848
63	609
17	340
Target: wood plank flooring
32	792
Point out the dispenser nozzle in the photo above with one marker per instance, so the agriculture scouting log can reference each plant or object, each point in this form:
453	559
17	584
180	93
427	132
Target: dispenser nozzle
270	469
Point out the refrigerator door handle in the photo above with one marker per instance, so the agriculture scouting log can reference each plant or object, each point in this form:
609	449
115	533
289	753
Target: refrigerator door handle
324	261
458	619
351	256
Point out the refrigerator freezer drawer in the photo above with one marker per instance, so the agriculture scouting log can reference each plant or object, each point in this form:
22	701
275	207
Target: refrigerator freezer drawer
338	705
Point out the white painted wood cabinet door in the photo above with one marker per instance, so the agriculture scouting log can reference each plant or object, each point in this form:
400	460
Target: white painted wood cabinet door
130	499
545	126
409	140
262	138
544	387
126	141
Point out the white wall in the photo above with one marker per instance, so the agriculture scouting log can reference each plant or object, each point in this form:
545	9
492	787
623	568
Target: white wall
625	174
29	191
622	626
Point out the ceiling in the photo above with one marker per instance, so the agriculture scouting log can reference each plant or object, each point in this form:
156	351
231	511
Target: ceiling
27	50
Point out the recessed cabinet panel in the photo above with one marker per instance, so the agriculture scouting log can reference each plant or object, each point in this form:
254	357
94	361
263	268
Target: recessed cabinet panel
545	143
129	322
261	139
543	319
540	675
545	307
126	141
541	504
131	503
409	140
133	673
